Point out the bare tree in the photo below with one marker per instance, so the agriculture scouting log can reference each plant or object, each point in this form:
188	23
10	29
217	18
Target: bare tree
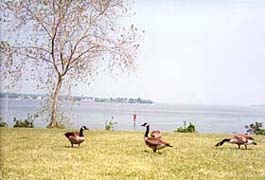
58	41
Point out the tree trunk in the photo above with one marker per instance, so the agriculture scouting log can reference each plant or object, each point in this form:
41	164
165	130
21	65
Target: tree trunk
55	97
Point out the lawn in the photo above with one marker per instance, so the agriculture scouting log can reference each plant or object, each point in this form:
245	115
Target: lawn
46	154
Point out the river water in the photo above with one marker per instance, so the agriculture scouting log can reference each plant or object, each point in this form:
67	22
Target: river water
165	117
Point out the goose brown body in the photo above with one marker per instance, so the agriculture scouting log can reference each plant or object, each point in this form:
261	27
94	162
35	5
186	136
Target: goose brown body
239	139
76	137
156	134
155	143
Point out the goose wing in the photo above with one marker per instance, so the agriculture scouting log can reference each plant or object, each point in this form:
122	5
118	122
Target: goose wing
71	134
156	134
238	139
155	141
244	136
248	137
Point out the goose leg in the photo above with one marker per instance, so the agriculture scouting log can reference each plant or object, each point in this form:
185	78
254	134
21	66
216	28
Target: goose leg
246	146
238	146
72	145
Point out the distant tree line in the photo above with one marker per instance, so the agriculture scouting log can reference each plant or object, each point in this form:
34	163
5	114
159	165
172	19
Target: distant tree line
79	98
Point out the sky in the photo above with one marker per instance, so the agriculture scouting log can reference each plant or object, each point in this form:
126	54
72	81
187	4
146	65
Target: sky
193	52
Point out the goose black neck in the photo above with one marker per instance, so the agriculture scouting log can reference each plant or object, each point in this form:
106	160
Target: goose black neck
147	131
81	132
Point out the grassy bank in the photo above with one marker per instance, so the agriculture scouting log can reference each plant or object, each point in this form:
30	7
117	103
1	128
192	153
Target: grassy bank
45	154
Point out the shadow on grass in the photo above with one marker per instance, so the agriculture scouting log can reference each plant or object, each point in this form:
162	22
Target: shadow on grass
68	147
151	152
233	148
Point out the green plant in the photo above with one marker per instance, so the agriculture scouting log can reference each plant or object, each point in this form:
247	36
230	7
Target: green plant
2	123
186	129
255	128
26	123
109	125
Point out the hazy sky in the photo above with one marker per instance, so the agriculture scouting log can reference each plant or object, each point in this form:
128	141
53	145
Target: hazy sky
194	52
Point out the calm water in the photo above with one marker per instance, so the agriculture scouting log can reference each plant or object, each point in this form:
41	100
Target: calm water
208	119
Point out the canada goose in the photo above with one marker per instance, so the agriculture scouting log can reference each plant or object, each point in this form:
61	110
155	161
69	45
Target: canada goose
154	143
76	137
239	139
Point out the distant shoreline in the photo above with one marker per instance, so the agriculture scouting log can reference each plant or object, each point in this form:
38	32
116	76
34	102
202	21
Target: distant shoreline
138	100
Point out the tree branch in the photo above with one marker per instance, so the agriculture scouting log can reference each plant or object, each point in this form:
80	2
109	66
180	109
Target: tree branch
42	23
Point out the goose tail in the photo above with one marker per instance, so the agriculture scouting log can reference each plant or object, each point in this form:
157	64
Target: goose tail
67	134
169	145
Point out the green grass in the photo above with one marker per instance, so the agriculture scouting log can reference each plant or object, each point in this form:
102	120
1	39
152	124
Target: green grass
46	154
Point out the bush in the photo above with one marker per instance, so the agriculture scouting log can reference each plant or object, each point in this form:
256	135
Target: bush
260	132
186	129
109	125
26	123
255	128
2	123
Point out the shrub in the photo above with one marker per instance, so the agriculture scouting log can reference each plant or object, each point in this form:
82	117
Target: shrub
2	123
186	129
109	125
255	128
23	123
26	123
